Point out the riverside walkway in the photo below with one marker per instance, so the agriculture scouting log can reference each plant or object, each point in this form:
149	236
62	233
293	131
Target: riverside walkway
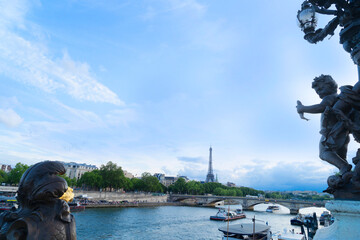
247	203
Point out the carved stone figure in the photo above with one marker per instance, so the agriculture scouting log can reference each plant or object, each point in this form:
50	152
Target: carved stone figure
340	117
340	113
41	215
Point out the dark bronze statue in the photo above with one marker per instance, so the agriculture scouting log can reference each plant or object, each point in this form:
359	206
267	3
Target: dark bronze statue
333	143
41	215
340	115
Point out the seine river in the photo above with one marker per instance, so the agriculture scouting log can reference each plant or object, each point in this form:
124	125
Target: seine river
168	222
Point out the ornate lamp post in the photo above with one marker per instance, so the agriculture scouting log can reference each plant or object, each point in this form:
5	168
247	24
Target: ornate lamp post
346	15
307	19
340	113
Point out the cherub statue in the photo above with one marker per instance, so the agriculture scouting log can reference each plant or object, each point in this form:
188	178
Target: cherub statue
333	144
340	116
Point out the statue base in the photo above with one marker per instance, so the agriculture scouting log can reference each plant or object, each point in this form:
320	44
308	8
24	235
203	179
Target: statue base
346	187
347	221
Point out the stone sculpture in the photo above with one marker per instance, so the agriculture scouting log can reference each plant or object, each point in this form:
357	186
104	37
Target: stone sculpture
339	113
41	215
340	117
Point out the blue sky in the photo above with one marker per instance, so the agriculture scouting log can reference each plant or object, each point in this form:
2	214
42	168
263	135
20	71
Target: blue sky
151	84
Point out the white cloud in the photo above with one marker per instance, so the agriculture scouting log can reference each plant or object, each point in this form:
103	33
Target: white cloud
27	60
188	6
10	118
13	12
121	117
102	68
70	120
192	159
283	175
8	102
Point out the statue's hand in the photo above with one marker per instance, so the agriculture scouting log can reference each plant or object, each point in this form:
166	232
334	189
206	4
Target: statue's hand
299	107
300	110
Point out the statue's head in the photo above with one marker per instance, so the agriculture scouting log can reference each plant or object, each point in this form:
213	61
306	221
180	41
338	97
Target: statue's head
41	183
41	214
324	85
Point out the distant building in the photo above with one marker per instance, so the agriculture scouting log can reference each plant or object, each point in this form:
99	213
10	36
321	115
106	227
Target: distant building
185	178
230	184
167	180
305	193
6	168
128	175
160	177
76	170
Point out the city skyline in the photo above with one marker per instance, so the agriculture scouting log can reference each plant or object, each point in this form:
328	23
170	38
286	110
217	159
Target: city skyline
149	85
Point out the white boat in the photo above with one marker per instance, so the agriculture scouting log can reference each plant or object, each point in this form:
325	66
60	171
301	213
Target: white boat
224	214
256	231
291	235
326	219
272	208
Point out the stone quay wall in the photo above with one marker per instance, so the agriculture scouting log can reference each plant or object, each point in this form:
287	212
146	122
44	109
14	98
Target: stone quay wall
119	196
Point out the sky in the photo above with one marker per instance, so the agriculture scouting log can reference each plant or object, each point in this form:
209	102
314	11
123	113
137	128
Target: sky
151	84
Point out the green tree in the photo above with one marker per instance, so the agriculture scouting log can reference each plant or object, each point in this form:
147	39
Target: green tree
113	176
219	191
239	193
129	186
210	187
151	183
16	173
3	177
137	184
179	186
194	188
91	180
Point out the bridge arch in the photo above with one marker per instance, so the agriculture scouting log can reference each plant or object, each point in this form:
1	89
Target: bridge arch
247	202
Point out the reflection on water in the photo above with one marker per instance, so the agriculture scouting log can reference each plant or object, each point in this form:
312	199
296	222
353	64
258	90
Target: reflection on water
170	223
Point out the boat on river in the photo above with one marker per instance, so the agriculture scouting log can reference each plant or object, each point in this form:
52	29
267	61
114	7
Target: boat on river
326	219
291	236
8	203
256	231
272	208
298	220
228	215
76	207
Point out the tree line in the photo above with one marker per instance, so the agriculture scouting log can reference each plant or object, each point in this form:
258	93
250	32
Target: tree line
13	177
110	177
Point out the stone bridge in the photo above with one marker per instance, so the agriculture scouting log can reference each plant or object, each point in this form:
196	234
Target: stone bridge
247	203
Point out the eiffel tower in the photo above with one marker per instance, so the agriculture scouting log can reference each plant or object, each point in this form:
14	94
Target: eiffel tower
210	174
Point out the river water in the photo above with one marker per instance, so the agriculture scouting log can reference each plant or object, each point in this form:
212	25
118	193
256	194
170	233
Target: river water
169	222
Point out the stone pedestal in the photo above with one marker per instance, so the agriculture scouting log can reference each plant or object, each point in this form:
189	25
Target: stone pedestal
347	221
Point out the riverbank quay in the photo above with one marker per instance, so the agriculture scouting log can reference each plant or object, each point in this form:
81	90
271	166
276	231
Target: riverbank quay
132	205
139	197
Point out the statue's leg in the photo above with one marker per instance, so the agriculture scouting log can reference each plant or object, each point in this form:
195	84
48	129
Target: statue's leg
342	151
333	158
